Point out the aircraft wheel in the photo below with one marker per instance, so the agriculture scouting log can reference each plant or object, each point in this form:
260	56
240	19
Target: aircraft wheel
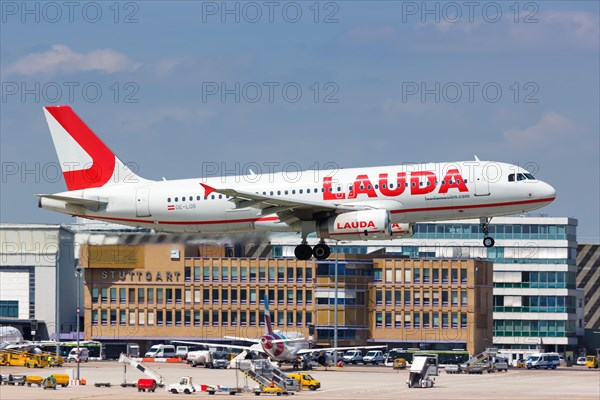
303	252
488	241
321	251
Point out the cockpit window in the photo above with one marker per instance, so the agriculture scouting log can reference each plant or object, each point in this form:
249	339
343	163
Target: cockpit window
520	177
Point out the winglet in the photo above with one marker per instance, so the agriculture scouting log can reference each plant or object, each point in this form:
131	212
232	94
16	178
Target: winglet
477	158
207	189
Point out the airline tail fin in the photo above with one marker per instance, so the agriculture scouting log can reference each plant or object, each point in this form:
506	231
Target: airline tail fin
86	162
268	323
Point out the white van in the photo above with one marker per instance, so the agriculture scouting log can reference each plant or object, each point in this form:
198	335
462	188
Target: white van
78	355
543	360
161	351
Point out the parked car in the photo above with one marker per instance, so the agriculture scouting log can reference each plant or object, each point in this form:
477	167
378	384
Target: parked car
373	357
161	351
581	361
78	355
352	357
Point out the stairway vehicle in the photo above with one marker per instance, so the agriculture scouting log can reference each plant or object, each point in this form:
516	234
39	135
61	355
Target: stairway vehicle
479	362
268	376
149	372
423	368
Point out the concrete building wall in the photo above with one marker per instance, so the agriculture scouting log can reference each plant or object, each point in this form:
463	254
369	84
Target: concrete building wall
14	286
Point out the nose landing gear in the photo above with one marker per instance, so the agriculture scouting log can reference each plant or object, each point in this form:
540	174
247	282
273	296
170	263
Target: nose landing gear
488	241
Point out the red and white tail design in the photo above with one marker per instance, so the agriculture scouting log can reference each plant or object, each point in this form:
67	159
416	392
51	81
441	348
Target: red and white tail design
268	323
86	162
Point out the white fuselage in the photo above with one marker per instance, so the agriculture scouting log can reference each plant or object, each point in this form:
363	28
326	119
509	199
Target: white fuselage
411	193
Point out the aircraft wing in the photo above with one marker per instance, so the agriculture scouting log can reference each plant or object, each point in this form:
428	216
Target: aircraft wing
228	346
288	210
242	339
323	349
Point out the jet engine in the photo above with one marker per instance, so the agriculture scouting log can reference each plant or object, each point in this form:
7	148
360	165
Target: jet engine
356	225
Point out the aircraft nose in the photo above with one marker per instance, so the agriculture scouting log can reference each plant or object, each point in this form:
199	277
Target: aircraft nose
546	191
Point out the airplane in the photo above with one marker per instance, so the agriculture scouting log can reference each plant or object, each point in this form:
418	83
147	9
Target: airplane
278	346
374	203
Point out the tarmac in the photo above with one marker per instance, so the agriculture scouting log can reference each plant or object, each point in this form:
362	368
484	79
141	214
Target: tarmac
350	382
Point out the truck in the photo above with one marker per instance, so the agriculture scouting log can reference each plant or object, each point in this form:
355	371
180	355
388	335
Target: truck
184	385
208	358
306	381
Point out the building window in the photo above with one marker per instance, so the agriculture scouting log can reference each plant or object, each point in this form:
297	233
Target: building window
234	274
159	318
426	297
205	318
252	297
425	320
196	318
299	318
454	273
417	322
243	318
417	275
299	296
234	318
417	298
215	274
159	296
444	275
224	318
407	320
444	320
141	295
131	295
113	317
290	296
169	317
224	296
407	275
206	295
444	298
262	274
225	274
407	297
122	317
463	297
196	274
234	296
290	275
150	317
280	274
113	295
309	276
252	318
94	317
463	275
436	320
463	320
454	320
131	318
388	319
197	297
243	296
104	317
398	320
10	308
436	276
309	295
122	295
150	296
243	274
436	298
104	295
290	318
215	296
378	297
178	320
187	274
206	274
454	297
426	272
141	319
252	274
169	296
299	274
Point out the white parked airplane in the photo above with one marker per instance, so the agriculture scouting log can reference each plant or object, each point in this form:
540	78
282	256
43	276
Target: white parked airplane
357	203
280	347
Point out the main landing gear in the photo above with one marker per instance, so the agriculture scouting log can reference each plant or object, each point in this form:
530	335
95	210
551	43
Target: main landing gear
488	241
304	252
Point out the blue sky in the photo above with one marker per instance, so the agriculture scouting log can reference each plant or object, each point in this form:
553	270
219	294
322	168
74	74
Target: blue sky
369	61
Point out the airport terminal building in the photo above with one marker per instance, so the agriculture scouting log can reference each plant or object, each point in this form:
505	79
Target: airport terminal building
151	293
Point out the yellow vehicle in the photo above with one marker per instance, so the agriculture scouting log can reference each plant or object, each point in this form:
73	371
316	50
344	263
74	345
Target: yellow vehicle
591	361
36	361
306	381
521	363
13	358
34	380
399	363
54	360
61	379
270	390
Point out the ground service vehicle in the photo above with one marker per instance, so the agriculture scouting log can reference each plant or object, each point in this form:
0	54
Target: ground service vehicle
543	360
591	361
210	359
183	386
61	379
182	352
374	357
34	380
80	354
161	351
13	358
580	361
144	384
36	361
306	381
352	357
424	366
445	357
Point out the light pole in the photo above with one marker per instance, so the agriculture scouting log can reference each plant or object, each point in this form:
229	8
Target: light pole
335	305
78	275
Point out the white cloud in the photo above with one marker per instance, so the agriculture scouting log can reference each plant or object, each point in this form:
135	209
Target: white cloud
60	59
550	129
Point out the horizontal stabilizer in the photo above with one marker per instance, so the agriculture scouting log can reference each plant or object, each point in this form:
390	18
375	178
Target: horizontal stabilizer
92	204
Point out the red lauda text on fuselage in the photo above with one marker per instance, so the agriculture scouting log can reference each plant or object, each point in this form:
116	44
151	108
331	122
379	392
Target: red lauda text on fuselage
356	225
363	185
